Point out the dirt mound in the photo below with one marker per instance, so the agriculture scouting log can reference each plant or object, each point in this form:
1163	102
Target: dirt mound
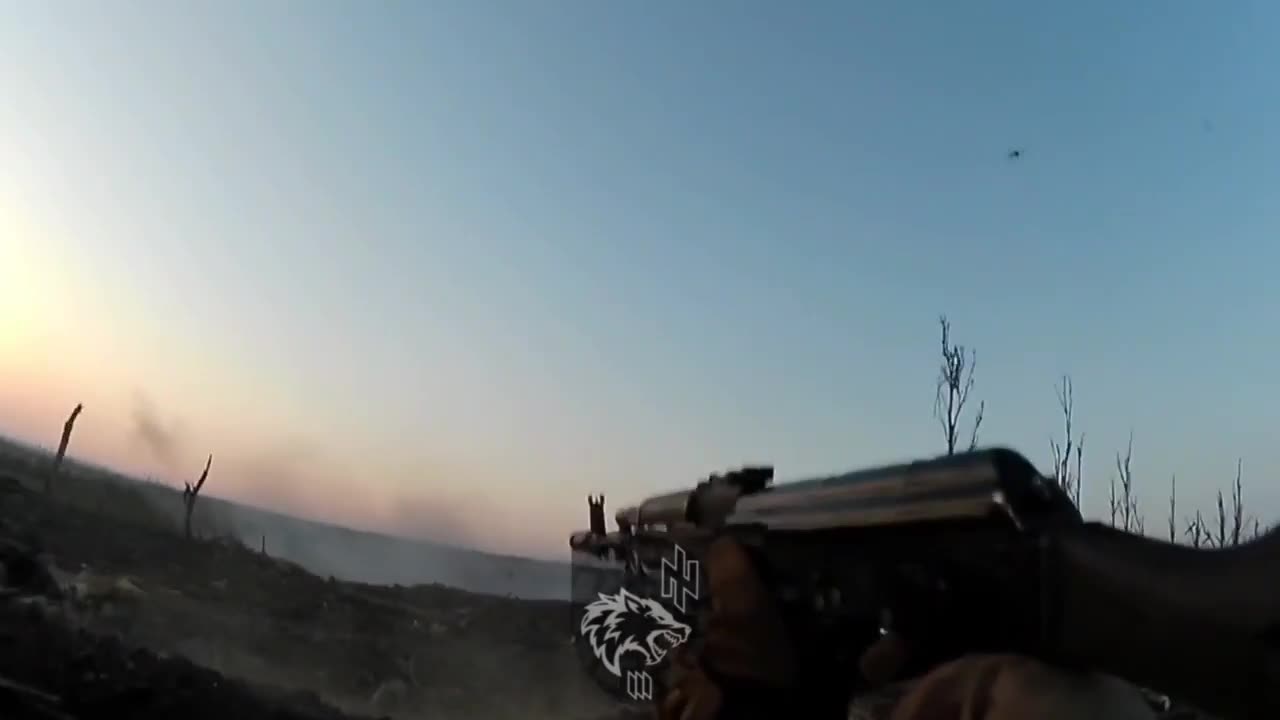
51	669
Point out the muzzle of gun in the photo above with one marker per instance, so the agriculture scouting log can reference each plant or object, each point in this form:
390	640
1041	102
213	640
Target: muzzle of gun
706	506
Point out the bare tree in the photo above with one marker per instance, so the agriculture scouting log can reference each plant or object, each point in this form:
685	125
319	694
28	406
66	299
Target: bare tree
1124	506
1231	524
67	427
189	495
954	386
1237	504
955	382
1072	449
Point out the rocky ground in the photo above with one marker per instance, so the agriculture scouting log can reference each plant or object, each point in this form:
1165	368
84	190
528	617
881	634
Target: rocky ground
100	616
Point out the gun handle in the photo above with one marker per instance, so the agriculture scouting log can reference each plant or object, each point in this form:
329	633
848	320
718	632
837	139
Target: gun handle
1198	625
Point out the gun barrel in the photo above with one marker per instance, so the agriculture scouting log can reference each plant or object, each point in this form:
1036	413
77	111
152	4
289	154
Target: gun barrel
595	543
665	509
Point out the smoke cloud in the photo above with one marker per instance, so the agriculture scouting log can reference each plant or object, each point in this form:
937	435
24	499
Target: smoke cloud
163	442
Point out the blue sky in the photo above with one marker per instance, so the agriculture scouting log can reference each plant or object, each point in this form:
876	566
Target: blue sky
511	253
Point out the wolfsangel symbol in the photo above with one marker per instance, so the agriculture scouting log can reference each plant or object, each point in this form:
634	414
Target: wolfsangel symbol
639	685
622	623
679	579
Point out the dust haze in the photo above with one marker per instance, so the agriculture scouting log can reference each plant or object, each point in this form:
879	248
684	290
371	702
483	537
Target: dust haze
424	534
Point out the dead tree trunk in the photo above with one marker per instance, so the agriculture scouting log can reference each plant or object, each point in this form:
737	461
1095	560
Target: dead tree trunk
1237	505
62	449
189	495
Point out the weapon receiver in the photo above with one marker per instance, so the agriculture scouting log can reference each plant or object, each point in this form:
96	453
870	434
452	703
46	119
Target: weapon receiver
975	552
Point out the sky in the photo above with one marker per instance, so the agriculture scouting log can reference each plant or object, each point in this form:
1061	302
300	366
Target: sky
442	269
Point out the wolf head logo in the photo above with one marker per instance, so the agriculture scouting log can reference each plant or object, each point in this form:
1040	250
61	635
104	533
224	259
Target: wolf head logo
615	625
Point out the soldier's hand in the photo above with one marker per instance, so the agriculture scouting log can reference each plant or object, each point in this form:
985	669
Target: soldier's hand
692	695
1012	687
744	640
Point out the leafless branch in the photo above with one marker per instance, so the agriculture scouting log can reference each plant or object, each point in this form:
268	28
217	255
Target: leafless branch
1071	449
1198	533
977	423
1126	505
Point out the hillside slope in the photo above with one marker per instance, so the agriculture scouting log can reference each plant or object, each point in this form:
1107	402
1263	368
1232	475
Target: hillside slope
322	548
422	651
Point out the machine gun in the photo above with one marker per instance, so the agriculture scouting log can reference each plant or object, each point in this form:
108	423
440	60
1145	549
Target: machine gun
973	552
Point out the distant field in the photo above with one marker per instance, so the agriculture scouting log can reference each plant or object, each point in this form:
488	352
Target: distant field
321	548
